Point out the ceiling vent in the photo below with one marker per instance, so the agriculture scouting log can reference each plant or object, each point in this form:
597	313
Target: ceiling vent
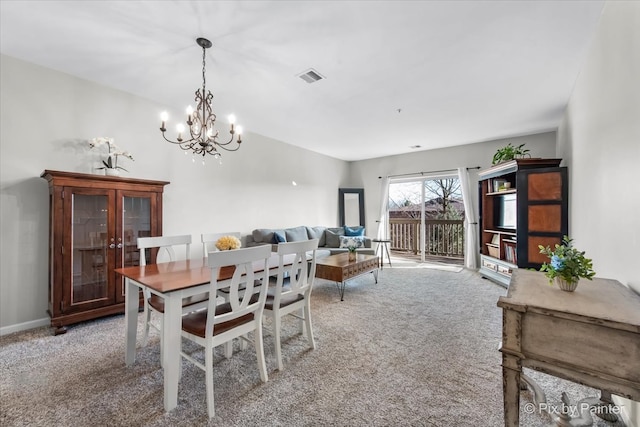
311	76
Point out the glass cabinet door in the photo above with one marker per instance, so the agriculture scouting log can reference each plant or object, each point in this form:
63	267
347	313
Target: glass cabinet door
136	222
89	245
136	218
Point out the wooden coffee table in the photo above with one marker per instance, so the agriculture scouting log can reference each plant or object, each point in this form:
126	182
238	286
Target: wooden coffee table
339	269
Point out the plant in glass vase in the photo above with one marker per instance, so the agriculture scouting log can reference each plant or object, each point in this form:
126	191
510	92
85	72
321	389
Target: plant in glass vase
352	252
566	265
113	152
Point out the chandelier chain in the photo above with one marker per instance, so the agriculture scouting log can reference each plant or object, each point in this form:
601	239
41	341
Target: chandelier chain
204	65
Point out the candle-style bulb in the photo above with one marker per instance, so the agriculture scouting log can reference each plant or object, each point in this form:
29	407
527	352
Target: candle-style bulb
189	110
164	116
232	119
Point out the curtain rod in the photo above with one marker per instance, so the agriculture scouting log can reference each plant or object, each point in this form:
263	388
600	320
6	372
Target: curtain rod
422	173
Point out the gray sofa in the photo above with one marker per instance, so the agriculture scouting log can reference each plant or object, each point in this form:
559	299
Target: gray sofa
329	238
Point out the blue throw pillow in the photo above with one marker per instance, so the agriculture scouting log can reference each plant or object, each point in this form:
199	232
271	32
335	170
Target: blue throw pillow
354	231
278	237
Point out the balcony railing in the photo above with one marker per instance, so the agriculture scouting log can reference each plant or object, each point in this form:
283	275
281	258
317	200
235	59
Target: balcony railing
443	237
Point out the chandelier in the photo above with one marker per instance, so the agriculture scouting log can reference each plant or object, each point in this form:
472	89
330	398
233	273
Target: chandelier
201	121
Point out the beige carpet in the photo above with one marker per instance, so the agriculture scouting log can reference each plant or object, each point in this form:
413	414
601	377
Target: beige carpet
420	348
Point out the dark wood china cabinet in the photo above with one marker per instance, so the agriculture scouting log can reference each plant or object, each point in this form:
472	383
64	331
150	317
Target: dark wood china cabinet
94	223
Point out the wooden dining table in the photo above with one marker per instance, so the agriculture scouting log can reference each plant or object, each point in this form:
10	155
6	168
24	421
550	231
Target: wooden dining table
172	281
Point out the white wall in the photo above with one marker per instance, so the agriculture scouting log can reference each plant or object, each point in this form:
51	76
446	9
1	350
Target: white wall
365	173
46	120
600	140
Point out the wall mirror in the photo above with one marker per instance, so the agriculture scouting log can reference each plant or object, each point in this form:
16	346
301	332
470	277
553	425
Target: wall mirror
351	206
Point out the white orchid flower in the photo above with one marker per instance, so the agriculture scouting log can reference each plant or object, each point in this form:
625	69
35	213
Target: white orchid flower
113	151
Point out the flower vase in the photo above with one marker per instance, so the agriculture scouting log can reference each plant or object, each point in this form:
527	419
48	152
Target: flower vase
352	256
567	285
111	172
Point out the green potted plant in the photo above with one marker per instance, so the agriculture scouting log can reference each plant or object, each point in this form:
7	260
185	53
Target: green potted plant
510	152
566	265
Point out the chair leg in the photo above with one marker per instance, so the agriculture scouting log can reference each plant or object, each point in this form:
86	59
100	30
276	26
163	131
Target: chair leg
244	344
301	322
161	339
147	317
277	324
228	349
208	354
259	344
307	321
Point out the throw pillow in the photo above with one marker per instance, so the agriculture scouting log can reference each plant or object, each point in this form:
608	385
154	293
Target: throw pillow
278	237
262	235
317	233
354	231
333	237
296	234
355	241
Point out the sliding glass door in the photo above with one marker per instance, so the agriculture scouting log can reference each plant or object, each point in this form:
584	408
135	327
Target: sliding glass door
425	217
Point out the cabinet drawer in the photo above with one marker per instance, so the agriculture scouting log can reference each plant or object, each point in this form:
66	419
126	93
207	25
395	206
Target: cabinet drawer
489	264
502	269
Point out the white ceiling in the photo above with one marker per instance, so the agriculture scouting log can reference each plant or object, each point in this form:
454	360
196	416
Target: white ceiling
398	73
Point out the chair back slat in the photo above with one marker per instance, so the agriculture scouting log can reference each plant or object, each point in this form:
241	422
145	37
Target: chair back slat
301	272
164	244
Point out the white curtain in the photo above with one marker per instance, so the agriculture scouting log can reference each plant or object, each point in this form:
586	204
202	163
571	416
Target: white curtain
471	223
384	201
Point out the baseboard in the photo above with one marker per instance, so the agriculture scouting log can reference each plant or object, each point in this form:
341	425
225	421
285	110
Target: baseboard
626	411
19	327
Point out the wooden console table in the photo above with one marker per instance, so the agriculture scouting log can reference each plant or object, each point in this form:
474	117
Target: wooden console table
590	336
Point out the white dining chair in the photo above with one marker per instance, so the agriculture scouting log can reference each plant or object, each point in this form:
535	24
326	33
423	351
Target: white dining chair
166	251
209	245
222	322
292	292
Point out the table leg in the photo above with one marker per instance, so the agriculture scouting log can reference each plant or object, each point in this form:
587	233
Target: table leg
511	370
131	302
386	248
341	286
171	340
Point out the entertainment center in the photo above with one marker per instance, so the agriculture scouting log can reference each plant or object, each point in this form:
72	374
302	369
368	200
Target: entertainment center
523	204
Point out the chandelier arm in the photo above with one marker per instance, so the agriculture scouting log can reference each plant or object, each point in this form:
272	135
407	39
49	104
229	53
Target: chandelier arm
177	142
228	149
231	139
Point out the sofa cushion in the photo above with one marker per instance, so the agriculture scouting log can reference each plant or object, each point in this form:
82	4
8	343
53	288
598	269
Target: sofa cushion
279	237
333	237
262	235
354	231
296	234
351	241
317	233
